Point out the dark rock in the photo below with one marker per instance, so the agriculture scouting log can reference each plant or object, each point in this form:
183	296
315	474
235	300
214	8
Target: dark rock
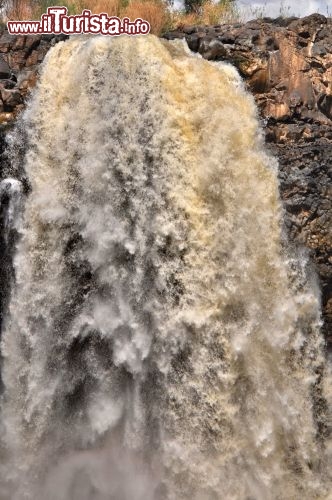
194	41
7	84
5	71
11	98
325	105
173	35
189	30
211	48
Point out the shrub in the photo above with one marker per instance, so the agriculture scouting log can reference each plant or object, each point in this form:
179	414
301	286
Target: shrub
155	12
209	13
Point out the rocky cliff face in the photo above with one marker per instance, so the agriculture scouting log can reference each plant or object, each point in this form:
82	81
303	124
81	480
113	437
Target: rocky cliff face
287	64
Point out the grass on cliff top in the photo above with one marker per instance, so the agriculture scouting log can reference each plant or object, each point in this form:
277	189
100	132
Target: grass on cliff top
159	13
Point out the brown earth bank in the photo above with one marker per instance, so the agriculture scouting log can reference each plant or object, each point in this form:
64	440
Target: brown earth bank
287	65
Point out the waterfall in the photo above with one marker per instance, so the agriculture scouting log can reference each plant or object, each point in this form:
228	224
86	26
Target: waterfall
162	339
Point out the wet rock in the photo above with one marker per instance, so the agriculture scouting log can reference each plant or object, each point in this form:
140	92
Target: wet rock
11	98
7	84
174	35
5	70
194	41
212	49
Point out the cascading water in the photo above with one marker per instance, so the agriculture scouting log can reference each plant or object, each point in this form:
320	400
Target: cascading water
161	342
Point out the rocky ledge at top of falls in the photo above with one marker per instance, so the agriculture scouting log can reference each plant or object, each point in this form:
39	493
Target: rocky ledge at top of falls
287	65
